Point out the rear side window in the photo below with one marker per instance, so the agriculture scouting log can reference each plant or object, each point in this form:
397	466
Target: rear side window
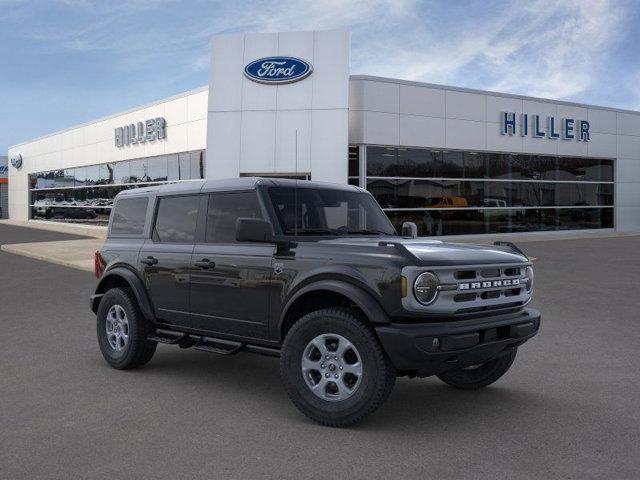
176	219
224	209
129	215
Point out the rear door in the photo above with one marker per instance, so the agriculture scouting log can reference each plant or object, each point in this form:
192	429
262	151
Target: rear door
230	280
165	258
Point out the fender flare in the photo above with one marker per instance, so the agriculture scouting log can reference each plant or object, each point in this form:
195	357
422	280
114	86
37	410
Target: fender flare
364	300
136	285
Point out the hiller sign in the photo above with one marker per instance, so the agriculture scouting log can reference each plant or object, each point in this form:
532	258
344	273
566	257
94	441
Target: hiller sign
566	128
147	131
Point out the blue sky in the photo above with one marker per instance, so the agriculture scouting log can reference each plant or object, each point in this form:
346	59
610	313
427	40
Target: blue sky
65	62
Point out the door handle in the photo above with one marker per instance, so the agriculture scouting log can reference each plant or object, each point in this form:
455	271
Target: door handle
205	264
149	260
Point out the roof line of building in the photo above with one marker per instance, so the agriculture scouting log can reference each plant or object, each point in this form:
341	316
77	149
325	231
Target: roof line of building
113	115
351	77
488	92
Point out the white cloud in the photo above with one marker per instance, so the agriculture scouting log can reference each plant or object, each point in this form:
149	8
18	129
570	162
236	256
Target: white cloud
545	49
541	48
567	42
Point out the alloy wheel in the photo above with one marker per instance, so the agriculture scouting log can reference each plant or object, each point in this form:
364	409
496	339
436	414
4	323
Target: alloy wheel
332	367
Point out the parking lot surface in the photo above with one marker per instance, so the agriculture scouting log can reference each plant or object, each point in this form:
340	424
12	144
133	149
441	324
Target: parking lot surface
567	409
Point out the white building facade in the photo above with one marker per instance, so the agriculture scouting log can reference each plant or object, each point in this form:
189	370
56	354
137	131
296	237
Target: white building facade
452	160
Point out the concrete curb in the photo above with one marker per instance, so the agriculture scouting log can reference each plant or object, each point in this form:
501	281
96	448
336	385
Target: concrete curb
34	250
73	229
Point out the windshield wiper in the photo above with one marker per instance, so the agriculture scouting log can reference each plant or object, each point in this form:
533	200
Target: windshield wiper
335	231
311	231
364	231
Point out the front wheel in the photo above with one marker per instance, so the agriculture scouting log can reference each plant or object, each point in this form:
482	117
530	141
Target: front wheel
481	375
334	368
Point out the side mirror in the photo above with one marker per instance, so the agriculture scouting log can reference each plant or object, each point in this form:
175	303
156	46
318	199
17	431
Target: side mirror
409	229
254	230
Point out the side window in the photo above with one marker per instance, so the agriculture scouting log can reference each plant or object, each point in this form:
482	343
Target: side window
224	209
128	216
176	219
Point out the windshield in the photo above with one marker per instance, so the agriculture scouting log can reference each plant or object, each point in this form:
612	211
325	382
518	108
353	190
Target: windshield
316	211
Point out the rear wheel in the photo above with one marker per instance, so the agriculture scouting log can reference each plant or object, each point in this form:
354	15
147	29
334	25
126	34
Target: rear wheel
123	331
334	368
481	375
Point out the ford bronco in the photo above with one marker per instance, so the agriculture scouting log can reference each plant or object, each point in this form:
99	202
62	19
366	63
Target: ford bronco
314	274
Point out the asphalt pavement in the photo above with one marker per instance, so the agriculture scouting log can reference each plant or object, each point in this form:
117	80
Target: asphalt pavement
568	408
14	234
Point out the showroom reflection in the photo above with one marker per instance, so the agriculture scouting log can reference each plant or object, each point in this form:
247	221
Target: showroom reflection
85	194
455	192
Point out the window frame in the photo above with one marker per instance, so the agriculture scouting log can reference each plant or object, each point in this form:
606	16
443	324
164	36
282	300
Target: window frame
142	234
205	215
152	233
275	221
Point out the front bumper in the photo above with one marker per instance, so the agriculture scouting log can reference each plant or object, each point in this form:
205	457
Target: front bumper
431	348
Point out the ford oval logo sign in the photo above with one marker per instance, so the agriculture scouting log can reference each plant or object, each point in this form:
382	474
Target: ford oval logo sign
278	70
16	160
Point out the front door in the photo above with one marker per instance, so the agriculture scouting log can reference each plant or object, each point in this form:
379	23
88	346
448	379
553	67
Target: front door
165	260
231	281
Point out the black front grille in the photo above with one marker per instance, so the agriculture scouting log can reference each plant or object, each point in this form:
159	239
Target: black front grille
490	273
465	275
490	294
486	308
514	292
465	297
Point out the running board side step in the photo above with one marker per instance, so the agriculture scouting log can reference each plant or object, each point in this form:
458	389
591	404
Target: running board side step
209	344
218	345
169	337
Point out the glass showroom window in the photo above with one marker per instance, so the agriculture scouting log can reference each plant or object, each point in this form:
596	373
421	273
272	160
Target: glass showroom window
85	194
354	165
449	192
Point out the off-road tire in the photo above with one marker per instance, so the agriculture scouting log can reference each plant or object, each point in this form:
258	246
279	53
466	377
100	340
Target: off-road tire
480	377
377	379
138	350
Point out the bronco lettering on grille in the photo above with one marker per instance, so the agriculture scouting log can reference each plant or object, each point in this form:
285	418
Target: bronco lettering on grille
489	284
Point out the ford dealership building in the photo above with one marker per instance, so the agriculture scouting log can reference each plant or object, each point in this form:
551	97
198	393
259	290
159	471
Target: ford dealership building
452	160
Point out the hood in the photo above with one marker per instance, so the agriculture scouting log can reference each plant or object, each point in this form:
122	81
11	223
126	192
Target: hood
439	253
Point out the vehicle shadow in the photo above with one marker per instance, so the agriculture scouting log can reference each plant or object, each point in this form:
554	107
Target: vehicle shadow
414	404
428	403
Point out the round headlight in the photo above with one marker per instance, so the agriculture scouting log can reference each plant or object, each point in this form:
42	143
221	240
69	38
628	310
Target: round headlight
425	288
529	278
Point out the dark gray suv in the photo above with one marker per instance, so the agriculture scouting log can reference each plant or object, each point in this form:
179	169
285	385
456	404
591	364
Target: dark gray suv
315	274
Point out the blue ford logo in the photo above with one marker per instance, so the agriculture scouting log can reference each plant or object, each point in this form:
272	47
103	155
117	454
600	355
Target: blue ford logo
16	160
278	70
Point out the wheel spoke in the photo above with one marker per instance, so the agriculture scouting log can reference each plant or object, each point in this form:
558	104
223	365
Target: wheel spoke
319	388
319	343
353	369
343	347
308	364
346	387
342	391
